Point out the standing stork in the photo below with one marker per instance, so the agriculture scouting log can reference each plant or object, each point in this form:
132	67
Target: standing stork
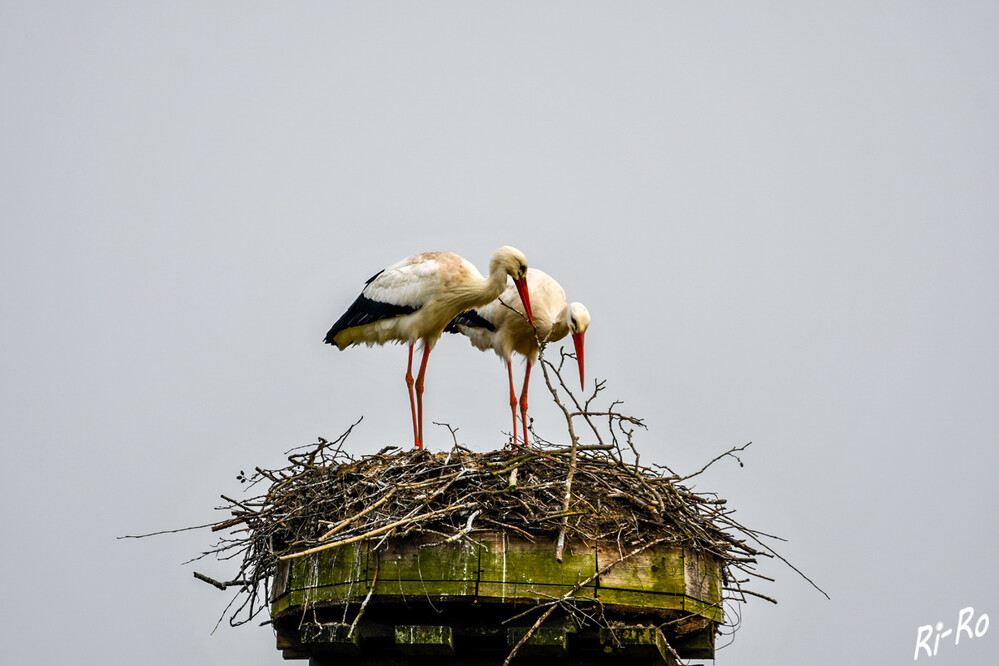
503	327
415	299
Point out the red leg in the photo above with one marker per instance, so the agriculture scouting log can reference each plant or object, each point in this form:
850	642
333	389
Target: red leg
523	399
513	402
419	395
412	400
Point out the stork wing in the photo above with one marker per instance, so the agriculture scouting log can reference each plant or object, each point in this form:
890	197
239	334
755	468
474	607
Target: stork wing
398	290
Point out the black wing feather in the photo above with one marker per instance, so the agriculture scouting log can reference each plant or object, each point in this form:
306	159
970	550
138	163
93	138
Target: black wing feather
471	319
364	311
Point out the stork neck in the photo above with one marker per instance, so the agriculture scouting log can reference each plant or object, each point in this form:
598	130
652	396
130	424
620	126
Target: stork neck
562	324
494	284
478	291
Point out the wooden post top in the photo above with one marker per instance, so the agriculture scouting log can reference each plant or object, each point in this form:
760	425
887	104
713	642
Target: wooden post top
460	600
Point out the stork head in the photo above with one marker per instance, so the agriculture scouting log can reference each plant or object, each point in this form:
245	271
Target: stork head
513	262
578	320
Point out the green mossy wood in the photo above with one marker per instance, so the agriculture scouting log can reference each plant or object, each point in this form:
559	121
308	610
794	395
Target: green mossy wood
502	570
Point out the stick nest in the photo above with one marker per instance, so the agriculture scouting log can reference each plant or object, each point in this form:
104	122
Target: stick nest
325	498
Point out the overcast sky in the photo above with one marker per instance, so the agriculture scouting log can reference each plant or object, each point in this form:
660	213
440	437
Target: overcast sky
782	219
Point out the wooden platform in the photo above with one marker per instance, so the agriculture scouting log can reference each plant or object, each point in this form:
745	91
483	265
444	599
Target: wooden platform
454	603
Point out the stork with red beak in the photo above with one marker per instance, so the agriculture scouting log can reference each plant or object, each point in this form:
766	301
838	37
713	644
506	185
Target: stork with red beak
415	299
505	327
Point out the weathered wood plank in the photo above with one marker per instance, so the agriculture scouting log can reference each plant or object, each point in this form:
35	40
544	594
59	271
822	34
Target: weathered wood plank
703	585
335	576
505	568
419	567
544	642
424	641
653	578
702	575
334	636
291	647
659	570
695	638
637	641
282	580
514	568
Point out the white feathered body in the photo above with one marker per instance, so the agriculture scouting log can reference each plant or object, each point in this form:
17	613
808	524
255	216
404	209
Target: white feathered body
415	299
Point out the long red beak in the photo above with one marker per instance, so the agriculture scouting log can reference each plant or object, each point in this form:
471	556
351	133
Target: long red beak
577	341
525	298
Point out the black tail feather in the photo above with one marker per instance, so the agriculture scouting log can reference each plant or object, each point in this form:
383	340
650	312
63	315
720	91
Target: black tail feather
365	311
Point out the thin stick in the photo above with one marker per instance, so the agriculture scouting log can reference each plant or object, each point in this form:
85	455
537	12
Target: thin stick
576	588
466	530
364	604
755	594
222	586
182	529
560	542
368	535
730	452
353	518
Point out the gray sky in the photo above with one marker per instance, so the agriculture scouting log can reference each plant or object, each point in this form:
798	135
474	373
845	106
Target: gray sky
782	219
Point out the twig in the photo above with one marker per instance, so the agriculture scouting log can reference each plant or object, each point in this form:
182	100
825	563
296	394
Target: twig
453	431
367	598
356	516
730	452
182	529
575	588
466	530
368	535
222	586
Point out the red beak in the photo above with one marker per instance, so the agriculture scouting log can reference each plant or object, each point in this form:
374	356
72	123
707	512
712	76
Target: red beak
525	298
577	341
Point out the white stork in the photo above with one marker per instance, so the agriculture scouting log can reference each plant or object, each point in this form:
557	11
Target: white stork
415	299
503	327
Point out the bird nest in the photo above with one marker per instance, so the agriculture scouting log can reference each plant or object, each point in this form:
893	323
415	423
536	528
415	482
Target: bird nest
592	489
